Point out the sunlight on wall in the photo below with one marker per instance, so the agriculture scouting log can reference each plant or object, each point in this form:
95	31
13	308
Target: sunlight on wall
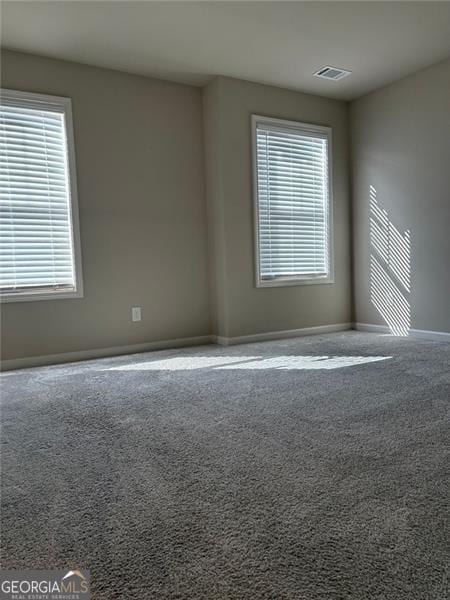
189	363
390	269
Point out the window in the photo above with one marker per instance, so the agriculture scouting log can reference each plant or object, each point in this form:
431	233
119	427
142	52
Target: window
39	238
292	202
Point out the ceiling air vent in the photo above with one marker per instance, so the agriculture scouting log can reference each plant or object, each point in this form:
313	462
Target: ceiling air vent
333	73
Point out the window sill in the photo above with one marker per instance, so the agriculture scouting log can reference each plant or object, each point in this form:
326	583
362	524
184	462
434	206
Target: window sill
36	296
291	282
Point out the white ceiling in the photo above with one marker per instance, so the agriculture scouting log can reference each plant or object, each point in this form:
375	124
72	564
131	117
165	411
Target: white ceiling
279	43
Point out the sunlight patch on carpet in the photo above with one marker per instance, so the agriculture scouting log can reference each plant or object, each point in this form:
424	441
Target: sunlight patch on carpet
188	363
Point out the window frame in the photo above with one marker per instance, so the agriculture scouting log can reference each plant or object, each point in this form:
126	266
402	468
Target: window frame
63	106
306	128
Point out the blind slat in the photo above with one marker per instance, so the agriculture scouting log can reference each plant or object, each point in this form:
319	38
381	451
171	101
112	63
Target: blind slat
293	203
36	246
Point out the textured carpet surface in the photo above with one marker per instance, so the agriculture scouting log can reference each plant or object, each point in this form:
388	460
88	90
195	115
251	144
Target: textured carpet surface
280	470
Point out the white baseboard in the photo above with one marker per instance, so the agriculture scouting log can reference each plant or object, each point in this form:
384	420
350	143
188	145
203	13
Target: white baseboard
65	357
279	335
437	336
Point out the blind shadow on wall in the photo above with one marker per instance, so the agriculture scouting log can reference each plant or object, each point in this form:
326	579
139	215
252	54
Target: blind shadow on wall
390	268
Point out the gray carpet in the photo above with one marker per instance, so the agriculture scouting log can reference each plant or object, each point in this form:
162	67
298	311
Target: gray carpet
264	471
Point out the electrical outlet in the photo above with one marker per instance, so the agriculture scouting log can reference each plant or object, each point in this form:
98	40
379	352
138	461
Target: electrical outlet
136	313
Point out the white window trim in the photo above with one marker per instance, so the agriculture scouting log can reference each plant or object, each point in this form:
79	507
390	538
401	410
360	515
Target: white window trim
28	99
305	128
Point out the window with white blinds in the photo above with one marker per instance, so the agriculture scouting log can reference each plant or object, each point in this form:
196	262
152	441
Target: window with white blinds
292	202
39	238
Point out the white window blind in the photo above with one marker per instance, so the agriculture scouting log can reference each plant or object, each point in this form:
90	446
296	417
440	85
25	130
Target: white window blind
292	201
37	245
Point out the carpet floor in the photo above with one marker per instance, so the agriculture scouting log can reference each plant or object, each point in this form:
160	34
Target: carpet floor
313	468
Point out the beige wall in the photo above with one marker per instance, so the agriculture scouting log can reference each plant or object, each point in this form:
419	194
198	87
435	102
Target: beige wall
148	237
215	207
401	147
142	212
240	307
